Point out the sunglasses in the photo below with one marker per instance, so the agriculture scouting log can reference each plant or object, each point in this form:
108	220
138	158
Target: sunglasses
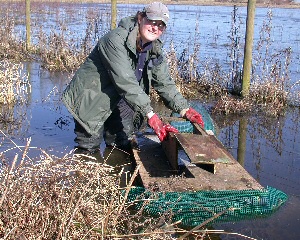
159	24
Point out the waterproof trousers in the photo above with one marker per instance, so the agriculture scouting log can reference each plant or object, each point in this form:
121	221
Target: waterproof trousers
117	131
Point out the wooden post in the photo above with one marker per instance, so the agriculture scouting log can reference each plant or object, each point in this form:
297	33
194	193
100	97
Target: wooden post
113	14
27	24
248	47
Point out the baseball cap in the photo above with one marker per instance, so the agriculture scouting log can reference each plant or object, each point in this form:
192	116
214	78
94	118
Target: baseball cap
157	11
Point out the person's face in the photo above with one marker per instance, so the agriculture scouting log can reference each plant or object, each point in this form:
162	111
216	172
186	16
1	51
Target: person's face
150	30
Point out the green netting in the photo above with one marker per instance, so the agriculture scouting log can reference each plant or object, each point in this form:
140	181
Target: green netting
193	208
187	127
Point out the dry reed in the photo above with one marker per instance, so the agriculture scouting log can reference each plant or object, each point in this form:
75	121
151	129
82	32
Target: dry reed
14	84
76	197
65	198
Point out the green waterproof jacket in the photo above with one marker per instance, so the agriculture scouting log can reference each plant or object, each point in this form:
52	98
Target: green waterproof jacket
108	74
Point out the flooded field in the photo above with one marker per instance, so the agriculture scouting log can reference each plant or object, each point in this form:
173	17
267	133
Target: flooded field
272	154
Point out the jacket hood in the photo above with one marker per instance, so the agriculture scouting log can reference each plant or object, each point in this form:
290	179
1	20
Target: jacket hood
128	23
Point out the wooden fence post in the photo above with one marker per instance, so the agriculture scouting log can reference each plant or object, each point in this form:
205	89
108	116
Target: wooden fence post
27	24
248	47
113	14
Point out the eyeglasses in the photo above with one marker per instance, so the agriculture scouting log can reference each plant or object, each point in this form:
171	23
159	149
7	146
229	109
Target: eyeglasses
159	24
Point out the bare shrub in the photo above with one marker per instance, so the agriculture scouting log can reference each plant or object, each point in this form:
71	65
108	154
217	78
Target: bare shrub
192	83
175	68
62	50
267	97
59	53
229	104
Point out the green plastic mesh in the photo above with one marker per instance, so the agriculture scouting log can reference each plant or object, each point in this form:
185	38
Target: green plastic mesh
187	127
194	208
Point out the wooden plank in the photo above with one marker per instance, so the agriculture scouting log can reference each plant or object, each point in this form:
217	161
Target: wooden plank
170	147
154	169
202	151
156	172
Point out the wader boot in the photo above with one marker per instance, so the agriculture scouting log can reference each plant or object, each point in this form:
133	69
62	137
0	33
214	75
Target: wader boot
88	146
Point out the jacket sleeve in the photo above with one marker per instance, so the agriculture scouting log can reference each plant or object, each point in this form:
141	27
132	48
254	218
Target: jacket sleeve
116	58
165	86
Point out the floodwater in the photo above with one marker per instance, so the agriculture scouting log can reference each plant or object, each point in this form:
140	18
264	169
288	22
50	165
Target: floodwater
272	154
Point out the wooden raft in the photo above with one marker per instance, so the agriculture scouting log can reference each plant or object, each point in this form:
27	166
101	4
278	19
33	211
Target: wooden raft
211	166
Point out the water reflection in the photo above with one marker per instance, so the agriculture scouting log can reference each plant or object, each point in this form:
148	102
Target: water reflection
242	141
267	148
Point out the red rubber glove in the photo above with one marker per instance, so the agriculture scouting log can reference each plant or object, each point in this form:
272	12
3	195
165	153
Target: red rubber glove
194	117
160	128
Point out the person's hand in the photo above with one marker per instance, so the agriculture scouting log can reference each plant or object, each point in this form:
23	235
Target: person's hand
195	117
160	128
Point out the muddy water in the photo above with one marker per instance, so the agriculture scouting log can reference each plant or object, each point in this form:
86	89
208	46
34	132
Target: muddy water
272	154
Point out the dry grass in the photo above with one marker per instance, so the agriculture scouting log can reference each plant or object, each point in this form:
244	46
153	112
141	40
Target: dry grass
10	46
60	54
76	197
14	85
266	97
14	91
65	198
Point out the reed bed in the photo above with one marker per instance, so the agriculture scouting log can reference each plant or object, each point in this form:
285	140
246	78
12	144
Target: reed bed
65	198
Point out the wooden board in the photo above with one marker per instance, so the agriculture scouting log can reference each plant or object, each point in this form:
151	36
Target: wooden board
156	171
202	151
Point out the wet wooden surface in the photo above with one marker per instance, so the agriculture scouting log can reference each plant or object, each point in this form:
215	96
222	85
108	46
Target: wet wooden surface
211	166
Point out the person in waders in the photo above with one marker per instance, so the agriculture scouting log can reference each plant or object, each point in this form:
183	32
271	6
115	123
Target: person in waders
109	93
